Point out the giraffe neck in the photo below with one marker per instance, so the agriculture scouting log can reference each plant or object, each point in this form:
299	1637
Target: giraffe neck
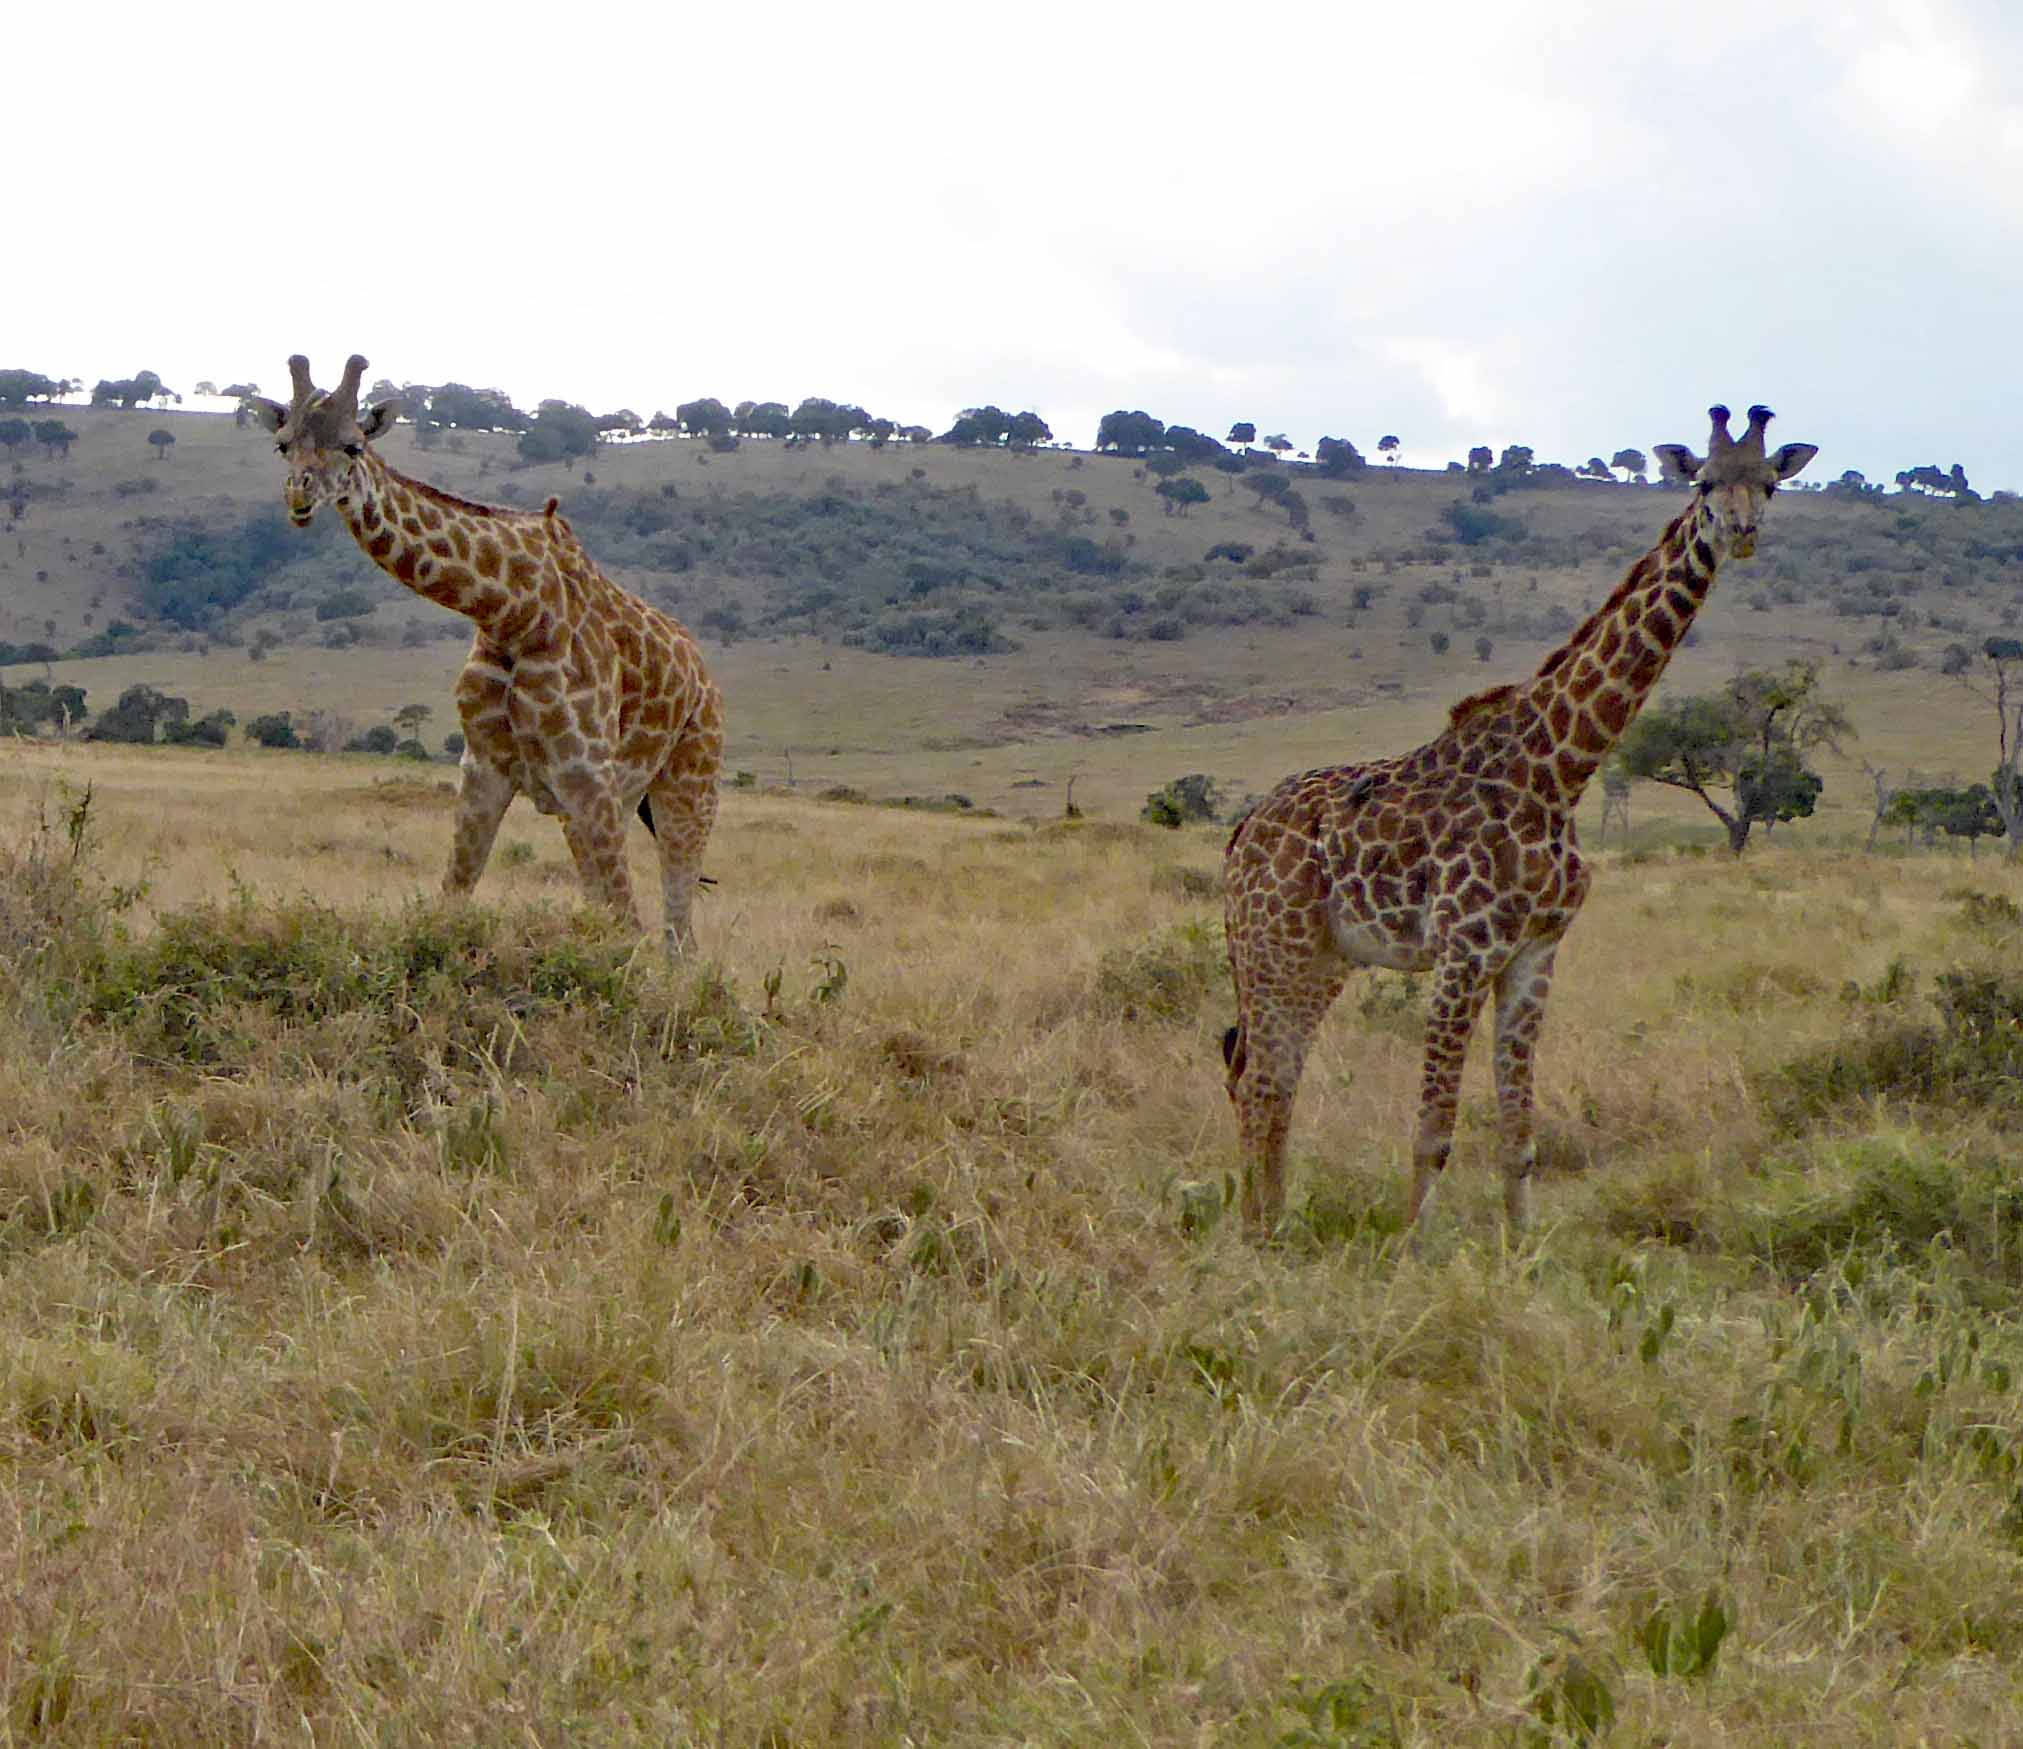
478	561
1588	691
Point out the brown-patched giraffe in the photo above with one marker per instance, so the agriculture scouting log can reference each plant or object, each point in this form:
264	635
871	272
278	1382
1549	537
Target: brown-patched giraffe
1459	858
576	693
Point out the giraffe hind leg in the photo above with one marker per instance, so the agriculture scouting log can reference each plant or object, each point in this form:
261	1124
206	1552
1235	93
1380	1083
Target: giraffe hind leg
684	804
1266	1054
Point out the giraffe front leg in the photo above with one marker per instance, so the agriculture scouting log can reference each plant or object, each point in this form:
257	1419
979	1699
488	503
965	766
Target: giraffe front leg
594	828
1521	989
482	800
1458	990
683	800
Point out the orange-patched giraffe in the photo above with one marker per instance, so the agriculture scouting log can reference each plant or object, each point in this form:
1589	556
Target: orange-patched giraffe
576	694
1459	859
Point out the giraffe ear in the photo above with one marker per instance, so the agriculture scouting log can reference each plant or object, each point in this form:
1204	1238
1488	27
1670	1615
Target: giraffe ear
269	413
1791	458
378	419
1677	463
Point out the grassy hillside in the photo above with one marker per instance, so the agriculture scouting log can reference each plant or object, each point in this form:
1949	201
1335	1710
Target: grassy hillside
424	1324
1084	632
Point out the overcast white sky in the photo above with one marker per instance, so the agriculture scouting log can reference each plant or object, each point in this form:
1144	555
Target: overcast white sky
1572	225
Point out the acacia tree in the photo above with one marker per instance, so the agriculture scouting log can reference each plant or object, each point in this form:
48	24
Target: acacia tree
161	439
1632	463
2000	686
1968	813
1751	740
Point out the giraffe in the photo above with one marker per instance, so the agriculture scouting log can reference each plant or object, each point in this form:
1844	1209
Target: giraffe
1459	858
575	693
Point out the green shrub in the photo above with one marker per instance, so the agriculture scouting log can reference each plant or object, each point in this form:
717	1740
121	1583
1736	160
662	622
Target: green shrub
1186	798
1168	977
1971	1055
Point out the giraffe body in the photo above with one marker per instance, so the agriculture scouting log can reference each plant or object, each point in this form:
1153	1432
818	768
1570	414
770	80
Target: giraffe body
576	693
1459	859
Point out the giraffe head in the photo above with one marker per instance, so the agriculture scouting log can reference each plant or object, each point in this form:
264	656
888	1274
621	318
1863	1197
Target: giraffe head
1735	478
323	436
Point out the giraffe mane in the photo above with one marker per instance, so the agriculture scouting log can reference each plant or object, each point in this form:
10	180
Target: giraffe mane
450	500
1478	705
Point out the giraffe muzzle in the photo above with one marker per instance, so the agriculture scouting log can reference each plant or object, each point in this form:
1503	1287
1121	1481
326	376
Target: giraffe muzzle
1743	546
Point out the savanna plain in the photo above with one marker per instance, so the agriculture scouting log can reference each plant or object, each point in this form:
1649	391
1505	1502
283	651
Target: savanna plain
457	1323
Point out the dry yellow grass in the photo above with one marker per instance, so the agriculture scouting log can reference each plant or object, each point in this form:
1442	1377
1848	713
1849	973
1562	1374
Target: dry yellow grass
432	1325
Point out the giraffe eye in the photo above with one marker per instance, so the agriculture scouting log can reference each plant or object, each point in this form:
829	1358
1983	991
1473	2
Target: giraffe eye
354	449
281	448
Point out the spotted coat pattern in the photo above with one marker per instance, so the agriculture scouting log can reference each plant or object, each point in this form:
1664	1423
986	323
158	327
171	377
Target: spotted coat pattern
1459	858
576	694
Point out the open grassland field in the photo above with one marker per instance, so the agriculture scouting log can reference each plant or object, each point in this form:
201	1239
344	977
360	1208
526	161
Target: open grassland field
934	621
426	1324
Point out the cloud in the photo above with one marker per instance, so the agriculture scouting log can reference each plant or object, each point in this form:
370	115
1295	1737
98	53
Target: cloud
1571	228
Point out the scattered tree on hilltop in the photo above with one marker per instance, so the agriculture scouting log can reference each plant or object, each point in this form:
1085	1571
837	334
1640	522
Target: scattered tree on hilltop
1129	433
13	433
1388	448
1182	493
1243	431
19	387
561	431
1670	473
1338	458
1481	459
467	409
1632	464
1191	445
162	440
133	391
978	425
763	419
707	417
1939	484
1854	484
54	436
825	421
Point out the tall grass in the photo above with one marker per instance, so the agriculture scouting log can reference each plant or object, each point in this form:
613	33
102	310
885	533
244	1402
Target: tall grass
437	1323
